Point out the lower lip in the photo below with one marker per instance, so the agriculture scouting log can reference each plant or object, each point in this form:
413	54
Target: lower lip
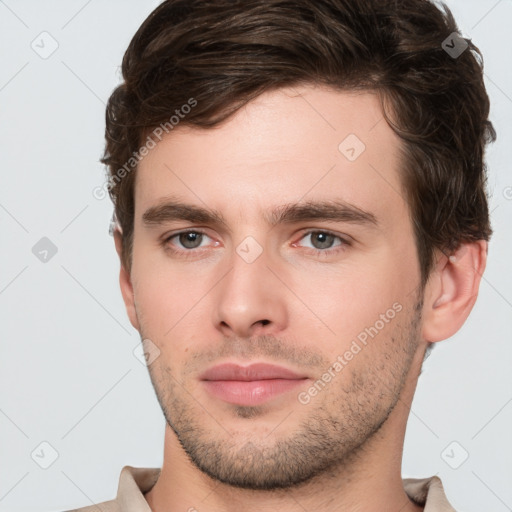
251	392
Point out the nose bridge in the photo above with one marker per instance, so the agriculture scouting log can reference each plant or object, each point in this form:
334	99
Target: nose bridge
248	278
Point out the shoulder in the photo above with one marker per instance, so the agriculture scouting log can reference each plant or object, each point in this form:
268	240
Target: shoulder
106	506
134	482
428	492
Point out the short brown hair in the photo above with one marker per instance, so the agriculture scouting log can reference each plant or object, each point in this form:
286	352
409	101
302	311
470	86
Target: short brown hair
224	53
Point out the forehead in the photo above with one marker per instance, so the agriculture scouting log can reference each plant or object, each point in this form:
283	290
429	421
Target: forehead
288	145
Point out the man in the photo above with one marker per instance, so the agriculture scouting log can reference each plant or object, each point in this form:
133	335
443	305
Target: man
300	215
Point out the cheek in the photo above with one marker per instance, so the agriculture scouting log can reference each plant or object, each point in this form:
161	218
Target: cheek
164	296
345	302
163	310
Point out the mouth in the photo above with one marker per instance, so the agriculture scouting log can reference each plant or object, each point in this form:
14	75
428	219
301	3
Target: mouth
250	385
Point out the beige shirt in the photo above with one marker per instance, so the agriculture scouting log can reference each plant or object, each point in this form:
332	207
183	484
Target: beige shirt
134	482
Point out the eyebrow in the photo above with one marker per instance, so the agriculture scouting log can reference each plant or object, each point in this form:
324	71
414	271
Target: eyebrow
335	210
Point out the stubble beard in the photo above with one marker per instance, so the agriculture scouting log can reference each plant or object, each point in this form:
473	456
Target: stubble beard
340	421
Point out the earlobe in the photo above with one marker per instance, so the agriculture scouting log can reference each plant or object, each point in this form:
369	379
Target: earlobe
452	290
125	281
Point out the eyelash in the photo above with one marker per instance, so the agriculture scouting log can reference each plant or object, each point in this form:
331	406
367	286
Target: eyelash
186	253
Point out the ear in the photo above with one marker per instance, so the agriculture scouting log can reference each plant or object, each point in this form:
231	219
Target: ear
452	289
125	281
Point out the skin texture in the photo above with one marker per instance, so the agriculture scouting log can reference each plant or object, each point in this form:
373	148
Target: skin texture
294	306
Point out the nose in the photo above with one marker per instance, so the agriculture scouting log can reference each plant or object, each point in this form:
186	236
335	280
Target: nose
249	300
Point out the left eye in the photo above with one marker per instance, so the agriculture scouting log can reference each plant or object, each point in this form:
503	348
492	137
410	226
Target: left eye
323	240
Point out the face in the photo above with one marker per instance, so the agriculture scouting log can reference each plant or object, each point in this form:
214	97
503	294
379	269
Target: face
277	238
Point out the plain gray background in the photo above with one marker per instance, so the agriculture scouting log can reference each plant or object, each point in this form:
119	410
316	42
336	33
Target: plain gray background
68	374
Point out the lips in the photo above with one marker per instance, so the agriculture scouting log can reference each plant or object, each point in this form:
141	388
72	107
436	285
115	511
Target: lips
249	385
257	371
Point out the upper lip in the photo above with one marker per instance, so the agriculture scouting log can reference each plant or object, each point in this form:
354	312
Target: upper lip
256	371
